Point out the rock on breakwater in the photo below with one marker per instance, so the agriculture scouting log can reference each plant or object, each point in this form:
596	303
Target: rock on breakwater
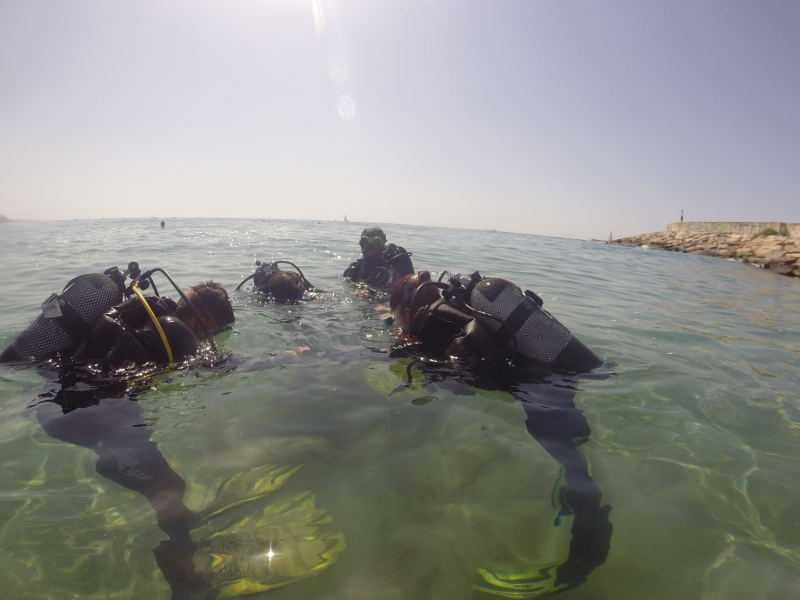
777	253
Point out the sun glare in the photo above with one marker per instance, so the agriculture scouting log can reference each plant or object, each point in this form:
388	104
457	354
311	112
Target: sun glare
346	107
319	16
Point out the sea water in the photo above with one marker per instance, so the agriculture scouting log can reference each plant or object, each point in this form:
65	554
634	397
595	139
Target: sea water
695	438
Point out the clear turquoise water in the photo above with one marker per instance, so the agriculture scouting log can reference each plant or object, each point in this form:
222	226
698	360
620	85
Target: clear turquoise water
695	440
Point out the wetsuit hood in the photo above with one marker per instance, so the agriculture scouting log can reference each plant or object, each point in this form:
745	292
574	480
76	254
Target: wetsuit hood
374	231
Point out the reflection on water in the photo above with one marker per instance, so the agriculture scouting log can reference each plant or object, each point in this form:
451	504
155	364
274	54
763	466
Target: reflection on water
289	541
436	487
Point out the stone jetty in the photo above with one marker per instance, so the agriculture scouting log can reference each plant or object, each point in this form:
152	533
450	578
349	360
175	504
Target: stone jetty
778	253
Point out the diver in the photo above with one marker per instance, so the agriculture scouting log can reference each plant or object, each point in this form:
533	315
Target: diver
495	336
88	320
92	406
283	286
486	317
381	265
92	403
156	329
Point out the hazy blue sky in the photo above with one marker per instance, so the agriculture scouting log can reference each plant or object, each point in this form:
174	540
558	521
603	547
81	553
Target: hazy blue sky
552	117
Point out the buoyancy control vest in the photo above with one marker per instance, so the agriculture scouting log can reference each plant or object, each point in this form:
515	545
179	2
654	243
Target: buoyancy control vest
66	318
393	264
125	335
517	321
452	332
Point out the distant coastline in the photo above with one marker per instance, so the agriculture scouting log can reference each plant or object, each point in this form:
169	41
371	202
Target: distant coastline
769	248
4	219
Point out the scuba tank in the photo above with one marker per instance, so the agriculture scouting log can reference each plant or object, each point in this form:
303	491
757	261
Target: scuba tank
66	318
517	321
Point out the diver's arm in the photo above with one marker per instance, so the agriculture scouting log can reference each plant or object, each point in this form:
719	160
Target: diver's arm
351	272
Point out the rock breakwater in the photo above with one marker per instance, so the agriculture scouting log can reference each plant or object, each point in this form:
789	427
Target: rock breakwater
777	253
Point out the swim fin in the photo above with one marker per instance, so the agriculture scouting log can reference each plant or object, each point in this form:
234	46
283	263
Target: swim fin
246	487
559	498
536	581
290	541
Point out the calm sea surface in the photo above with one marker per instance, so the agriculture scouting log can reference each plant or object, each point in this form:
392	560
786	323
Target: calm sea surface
695	439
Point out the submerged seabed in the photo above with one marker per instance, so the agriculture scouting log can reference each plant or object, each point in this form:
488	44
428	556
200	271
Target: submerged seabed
695	440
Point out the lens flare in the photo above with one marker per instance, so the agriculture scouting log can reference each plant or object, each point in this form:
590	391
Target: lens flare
346	107
319	16
337	68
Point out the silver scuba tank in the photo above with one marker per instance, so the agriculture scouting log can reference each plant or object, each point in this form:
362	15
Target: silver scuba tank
535	332
66	317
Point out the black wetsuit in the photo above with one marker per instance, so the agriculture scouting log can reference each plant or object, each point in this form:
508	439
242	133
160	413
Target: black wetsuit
384	271
443	332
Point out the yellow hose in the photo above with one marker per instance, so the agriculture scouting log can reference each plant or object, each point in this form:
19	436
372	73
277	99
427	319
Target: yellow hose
135	288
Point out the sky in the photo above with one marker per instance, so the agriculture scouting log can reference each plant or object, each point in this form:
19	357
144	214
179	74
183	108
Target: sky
549	117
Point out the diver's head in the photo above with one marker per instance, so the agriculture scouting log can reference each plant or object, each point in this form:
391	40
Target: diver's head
285	286
212	304
403	294
372	241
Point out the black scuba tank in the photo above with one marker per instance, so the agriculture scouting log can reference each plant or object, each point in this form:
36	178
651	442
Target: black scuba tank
536	333
66	318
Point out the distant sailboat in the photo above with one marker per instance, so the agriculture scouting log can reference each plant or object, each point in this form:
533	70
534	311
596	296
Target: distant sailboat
610	236
345	218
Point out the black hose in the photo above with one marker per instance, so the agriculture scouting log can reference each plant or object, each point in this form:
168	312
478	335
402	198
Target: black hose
245	280
308	285
306	282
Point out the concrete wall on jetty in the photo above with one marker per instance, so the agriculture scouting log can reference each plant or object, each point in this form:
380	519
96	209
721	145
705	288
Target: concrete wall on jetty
744	228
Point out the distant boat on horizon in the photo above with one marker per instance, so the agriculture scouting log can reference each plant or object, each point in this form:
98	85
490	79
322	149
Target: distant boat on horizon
345	218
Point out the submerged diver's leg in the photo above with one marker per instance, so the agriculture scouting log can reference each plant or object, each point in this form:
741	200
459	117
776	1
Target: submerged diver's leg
115	430
554	421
